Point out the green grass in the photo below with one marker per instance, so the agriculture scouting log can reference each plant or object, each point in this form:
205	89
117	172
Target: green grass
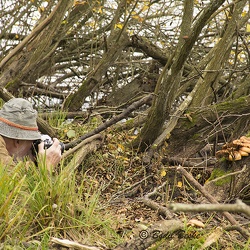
36	205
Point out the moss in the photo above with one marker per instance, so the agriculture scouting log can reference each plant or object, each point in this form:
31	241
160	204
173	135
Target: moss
196	136
190	123
219	172
130	122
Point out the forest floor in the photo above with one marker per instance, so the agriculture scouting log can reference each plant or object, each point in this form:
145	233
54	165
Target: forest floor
113	200
135	194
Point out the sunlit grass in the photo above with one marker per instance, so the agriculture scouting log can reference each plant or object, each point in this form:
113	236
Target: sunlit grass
36	205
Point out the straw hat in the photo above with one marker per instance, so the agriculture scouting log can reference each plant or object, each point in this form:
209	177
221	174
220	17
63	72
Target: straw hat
18	120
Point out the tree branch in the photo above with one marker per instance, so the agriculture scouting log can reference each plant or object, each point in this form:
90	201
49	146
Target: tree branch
112	121
238	207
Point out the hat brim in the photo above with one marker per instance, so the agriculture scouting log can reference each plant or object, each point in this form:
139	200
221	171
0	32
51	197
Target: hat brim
17	133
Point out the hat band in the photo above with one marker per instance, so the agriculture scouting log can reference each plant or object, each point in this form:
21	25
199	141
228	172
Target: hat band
12	124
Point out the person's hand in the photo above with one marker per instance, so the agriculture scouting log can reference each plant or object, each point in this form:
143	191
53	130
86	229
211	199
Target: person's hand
52	155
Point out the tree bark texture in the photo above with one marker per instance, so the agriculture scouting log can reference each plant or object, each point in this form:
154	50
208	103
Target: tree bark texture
166	88
220	54
24	62
199	126
75	101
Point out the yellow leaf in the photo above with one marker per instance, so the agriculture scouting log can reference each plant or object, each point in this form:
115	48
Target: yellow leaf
244	13
98	10
248	27
119	25
179	184
79	2
163	173
145	7
131	33
120	148
41	9
16	36
138	18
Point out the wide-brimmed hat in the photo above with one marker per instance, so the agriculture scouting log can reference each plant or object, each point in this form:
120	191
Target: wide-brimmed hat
18	120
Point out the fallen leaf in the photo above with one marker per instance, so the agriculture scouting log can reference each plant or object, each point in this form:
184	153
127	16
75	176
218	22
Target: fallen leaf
196	223
212	238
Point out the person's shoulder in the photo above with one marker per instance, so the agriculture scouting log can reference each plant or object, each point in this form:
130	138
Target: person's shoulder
2	143
5	158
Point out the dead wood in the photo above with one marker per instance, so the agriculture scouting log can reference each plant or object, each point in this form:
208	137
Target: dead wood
238	207
204	192
219	122
164	211
73	244
151	235
80	145
84	149
68	115
112	121
209	197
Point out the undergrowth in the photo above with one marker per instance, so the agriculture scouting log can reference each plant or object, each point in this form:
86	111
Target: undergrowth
87	205
36	205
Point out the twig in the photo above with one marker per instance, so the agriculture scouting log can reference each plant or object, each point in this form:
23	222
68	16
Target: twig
230	174
134	185
237	228
31	36
208	196
86	141
75	245
159	208
238	207
112	121
156	190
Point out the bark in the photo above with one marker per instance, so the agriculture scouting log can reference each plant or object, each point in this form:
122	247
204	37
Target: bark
166	89
24	62
144	83
75	101
206	93
215	123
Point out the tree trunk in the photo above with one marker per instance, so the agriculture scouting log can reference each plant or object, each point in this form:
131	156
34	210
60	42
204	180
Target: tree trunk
24	61
75	101
205	94
166	88
221	122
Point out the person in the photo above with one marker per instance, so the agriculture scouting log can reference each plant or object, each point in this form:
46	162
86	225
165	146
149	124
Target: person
18	131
